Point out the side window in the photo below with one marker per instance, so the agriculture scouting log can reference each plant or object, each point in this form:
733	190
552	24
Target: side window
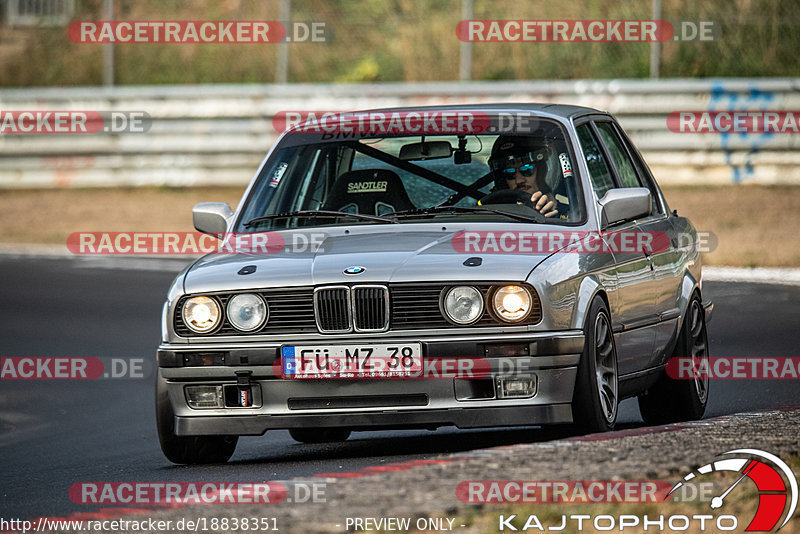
623	163
643	172
599	174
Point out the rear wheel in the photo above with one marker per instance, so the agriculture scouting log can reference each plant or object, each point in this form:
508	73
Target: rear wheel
596	398
319	435
187	449
672	400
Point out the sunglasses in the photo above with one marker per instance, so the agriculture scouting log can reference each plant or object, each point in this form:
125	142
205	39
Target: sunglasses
526	170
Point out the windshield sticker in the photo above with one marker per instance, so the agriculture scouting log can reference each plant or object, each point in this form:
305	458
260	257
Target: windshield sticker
566	168
278	174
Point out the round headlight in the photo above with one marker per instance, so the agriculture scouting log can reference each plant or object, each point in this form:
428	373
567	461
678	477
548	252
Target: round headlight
463	304
512	303
246	312
201	314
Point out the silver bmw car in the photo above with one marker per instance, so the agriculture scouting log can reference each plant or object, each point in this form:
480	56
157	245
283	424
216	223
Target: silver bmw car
477	266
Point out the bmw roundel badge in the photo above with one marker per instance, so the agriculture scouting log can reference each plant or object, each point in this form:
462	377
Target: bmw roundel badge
355	269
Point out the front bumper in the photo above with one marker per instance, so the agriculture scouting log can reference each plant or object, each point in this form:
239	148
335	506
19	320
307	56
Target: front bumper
255	425
550	357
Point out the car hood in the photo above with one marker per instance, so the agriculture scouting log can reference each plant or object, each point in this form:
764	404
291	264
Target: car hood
386	256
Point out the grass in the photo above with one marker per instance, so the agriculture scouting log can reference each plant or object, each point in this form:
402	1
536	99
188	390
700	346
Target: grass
48	216
755	225
405	40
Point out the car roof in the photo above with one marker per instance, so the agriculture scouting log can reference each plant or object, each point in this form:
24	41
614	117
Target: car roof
558	110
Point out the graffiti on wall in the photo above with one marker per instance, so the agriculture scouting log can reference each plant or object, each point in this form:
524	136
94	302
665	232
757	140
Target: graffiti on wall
752	100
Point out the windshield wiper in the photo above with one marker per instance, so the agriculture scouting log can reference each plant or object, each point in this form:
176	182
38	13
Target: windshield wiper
462	209
319	213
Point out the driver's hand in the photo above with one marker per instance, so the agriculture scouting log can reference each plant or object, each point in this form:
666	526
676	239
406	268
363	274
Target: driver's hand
544	204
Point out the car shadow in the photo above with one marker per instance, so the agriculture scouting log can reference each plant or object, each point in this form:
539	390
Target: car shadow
401	446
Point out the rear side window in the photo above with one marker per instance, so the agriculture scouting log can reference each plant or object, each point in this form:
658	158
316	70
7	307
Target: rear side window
599	173
623	163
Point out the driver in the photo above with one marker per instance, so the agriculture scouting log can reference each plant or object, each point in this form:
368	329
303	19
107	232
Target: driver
520	163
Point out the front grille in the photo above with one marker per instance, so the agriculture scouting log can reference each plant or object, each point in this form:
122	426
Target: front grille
332	309
341	309
360	308
371	308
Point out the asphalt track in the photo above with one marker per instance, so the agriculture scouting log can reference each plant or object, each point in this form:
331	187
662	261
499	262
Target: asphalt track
55	433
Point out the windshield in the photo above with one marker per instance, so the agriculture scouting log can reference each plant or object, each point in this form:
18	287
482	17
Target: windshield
412	179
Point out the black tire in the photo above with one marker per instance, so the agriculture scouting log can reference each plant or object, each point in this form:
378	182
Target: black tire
596	400
319	435
671	400
187	449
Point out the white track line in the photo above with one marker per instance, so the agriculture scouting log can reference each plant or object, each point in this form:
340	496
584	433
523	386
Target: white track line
765	275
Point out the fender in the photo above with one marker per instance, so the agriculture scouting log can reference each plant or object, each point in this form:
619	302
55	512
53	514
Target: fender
689	285
590	286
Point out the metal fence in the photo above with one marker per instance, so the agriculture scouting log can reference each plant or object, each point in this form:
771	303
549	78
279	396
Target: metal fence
207	135
38	12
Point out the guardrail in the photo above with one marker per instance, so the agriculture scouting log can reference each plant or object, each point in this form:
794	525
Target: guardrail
218	134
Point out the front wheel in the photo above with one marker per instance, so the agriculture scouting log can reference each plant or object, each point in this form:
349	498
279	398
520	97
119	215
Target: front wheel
672	400
187	449
596	398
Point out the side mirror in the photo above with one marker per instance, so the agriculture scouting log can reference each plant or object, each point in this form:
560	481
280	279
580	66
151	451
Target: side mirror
623	204
212	217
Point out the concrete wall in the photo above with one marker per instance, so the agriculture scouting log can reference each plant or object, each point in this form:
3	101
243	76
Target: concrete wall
218	134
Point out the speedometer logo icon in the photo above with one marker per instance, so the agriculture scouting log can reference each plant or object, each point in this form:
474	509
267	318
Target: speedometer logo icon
774	480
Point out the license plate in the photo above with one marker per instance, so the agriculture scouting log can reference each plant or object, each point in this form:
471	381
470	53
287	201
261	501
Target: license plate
390	360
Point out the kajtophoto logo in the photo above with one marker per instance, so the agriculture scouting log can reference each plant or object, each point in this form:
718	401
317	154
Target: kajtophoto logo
774	480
